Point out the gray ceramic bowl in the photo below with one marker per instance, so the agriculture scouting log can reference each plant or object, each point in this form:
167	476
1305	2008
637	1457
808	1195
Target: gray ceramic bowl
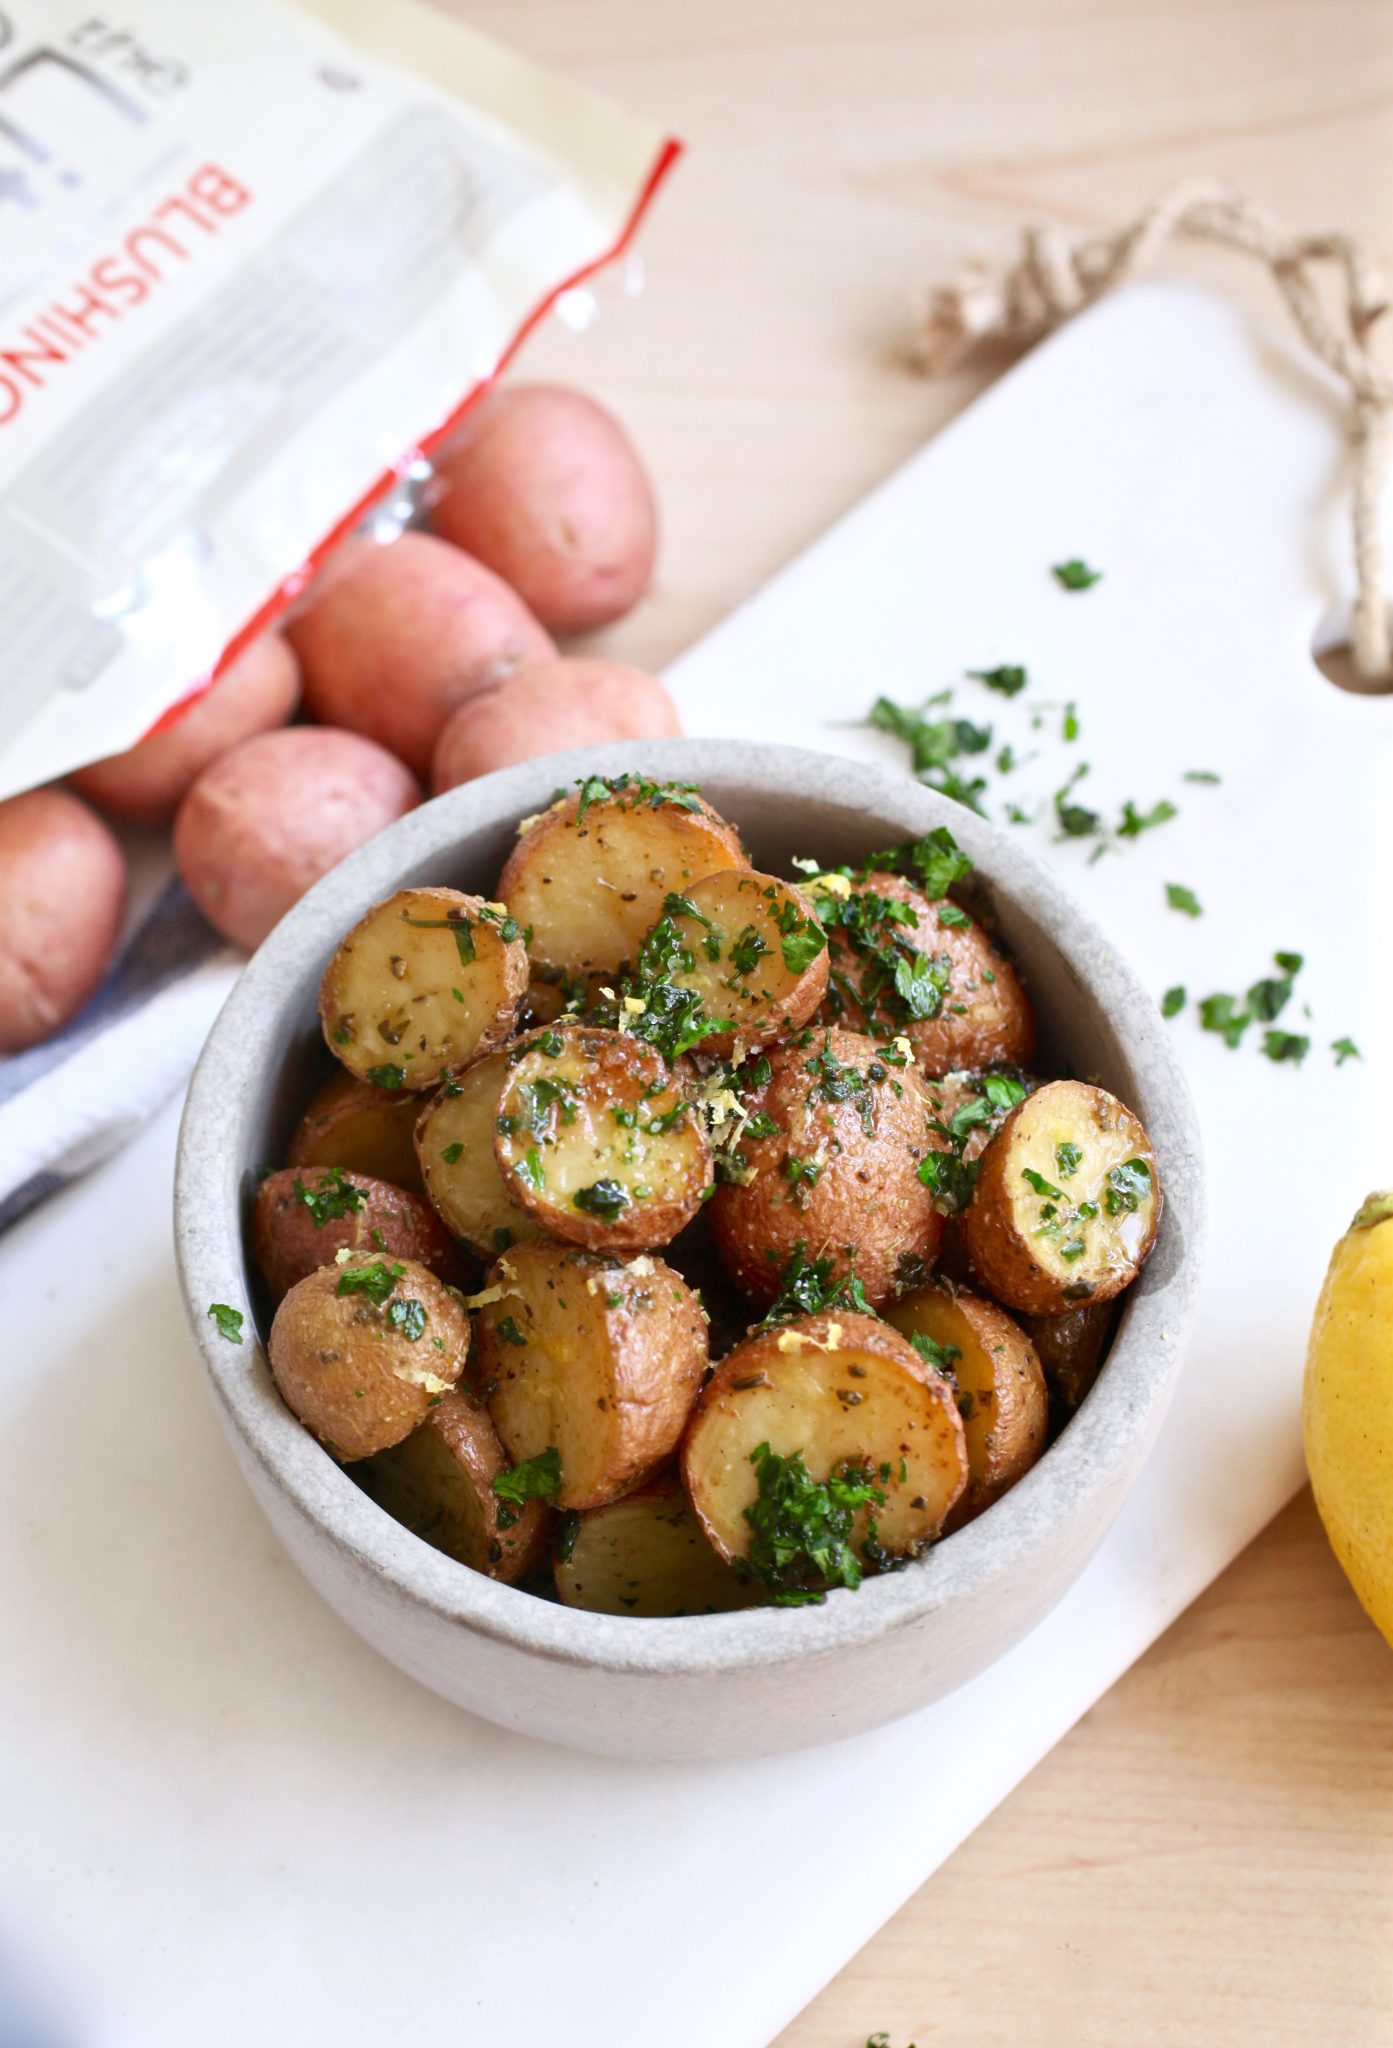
712	1685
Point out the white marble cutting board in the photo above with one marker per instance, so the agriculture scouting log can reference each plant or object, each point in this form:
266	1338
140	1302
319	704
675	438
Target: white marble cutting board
223	1820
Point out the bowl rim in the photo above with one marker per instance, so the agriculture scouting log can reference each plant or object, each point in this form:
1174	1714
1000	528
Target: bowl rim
1090	1455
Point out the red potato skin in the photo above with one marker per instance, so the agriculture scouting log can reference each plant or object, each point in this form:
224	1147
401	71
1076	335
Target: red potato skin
288	1244
546	708
268	818
256	693
544	486
62	893
394	638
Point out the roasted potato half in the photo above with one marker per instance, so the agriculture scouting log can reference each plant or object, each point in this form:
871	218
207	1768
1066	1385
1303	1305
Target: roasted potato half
901	964
590	875
425	983
363	1129
845	1395
1072	1348
750	947
458	1166
596	1140
300	1221
361	1351
438	1482
1000	1388
592	1360
1066	1203
828	1157
647	1554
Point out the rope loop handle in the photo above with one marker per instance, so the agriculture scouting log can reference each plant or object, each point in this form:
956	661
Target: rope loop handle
1056	275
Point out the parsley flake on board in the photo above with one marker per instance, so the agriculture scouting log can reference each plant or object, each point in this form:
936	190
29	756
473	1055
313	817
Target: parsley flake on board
1183	899
1134	822
1201	775
332	1197
935	744
1286	1045
1345	1049
1173	1001
1008	680
802	1526
228	1320
1075	575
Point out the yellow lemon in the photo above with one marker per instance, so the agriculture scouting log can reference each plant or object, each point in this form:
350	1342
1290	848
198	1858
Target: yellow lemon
1347	1406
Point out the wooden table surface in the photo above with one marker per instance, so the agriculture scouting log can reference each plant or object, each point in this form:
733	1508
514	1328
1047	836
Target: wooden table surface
1208	1858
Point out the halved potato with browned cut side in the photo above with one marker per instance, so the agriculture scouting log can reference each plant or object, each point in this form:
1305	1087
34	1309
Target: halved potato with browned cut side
426	982
1066	1203
1000	1388
1072	1348
827	1158
300	1221
458	1166
647	1554
590	875
591	1362
749	946
362	1351
840	1403
439	1483
351	1124
901	963
597	1141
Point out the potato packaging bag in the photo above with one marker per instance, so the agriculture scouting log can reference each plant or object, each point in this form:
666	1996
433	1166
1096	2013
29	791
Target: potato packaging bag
255	262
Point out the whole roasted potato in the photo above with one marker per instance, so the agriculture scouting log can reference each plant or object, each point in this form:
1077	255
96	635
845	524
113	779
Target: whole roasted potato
597	1141
300	1221
1067	1201
902	964
828	1154
998	1385
590	875
545	708
265	820
425	982
646	1554
543	485
439	1482
838	1402
255	693
589	1366
62	893
362	1351
362	1128
392	638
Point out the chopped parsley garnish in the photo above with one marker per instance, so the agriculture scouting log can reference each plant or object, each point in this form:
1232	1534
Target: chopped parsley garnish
1007	680
942	1357
806	1288
332	1197
604	1198
1225	1015
1075	575
634	791
1286	1045
228	1320
1174	1000
509	1331
1345	1049
760	1125
1128	1186
935	744
1040	1184
451	1153
1075	821
1066	1159
802	1526
801	943
388	1075
462	929
536	1478
1201	775
1183	899
406	1316
746	952
376	1280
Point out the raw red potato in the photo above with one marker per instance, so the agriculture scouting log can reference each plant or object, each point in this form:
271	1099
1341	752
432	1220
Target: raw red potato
391	639
553	704
62	892
543	485
267	819
256	693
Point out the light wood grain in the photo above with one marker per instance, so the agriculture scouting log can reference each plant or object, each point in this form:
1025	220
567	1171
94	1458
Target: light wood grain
1208	1859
